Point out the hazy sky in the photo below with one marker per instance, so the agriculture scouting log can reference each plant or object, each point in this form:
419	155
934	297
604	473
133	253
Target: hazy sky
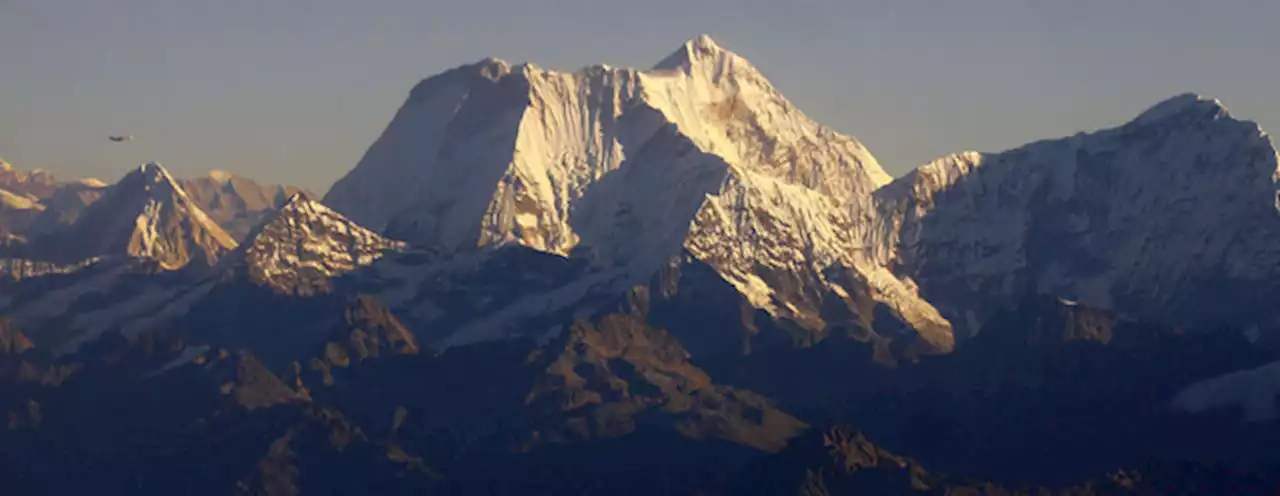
295	90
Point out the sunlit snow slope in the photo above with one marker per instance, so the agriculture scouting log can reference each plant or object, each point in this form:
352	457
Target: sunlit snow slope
631	168
1171	217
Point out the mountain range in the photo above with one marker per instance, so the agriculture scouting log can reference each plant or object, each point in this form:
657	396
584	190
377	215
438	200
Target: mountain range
654	281
235	203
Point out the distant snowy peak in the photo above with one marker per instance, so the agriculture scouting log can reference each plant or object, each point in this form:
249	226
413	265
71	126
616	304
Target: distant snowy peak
1184	106
236	203
145	215
167	225
37	183
64	206
1144	218
304	244
153	179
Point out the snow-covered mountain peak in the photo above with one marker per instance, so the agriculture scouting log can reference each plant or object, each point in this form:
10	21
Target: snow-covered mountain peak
700	49
153	171
304	244
146	215
460	78
729	108
166	224
634	167
1171	208
478	142
153	179
298	197
300	206
1184	106
703	42
37	182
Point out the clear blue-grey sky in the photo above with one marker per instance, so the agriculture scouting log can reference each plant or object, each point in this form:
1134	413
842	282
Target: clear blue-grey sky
295	90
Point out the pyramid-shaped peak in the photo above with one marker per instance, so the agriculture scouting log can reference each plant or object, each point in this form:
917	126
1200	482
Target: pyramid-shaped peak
150	173
150	180
5	166
302	196
152	169
304	244
300	206
299	200
1185	104
146	215
697	50
703	43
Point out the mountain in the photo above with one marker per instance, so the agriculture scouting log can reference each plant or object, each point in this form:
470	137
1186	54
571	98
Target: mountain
111	256
146	215
17	211
1171	217
37	183
301	250
64	207
149	417
236	203
552	137
841	460
699	157
662	281
592	412
275	294
303	244
1049	392
616	365
25	198
368	411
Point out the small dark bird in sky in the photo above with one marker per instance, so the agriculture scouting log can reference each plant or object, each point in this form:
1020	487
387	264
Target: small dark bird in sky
118	139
